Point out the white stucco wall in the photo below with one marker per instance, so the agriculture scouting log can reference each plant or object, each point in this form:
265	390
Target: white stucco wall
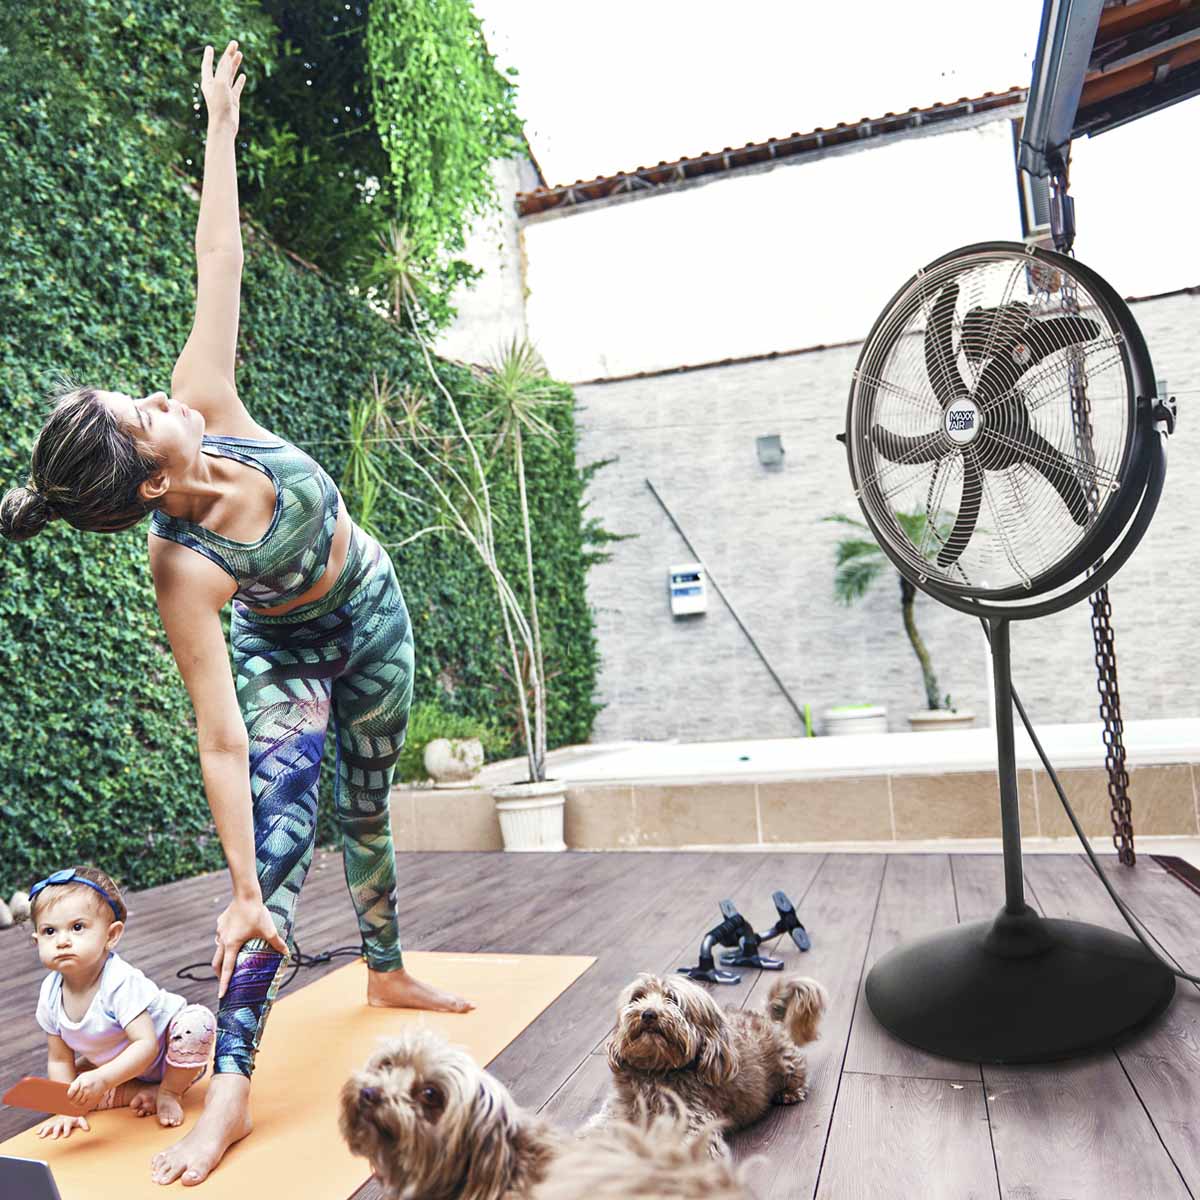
809	252
803	254
492	310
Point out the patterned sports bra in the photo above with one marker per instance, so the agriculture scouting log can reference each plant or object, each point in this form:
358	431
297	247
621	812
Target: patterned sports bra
291	556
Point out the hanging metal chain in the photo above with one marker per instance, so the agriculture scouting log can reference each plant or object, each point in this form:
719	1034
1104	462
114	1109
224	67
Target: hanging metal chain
1114	728
1120	809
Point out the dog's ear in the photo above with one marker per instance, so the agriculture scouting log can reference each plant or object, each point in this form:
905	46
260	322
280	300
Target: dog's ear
616	1063
719	1060
492	1144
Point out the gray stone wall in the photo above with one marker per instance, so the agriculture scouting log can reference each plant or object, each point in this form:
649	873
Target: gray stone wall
759	530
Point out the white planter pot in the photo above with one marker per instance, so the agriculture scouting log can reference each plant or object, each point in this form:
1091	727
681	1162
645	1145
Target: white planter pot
855	718
451	762
531	814
934	720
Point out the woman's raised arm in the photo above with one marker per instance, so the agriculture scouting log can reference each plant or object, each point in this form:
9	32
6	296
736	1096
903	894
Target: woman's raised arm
204	374
219	227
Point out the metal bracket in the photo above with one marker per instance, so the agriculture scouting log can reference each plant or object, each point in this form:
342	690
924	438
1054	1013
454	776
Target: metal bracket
1166	412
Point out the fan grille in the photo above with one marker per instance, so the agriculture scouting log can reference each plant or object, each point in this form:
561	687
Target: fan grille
990	421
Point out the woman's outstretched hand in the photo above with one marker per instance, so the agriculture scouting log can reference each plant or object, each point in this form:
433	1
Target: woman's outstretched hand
241	921
221	93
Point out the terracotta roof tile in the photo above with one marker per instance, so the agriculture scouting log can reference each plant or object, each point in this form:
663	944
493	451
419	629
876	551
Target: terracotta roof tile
730	158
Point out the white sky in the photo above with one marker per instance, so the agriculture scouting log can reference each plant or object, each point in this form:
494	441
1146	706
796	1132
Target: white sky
611	86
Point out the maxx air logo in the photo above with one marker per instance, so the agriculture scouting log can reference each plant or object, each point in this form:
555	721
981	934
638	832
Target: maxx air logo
962	421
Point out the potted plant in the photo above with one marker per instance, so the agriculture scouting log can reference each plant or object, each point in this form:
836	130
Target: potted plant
860	562
519	391
446	748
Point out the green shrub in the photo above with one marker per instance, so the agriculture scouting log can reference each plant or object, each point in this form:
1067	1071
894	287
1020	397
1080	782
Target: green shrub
97	746
429	721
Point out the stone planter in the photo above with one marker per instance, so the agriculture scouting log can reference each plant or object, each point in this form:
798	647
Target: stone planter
855	718
934	720
451	762
531	814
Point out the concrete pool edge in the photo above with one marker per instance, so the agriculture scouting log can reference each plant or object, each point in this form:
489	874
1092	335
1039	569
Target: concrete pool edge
866	802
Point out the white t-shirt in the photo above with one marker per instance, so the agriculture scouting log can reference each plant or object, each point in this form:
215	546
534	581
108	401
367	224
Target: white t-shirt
124	994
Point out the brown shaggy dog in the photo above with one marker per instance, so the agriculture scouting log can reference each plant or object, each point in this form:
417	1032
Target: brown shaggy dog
675	1045
654	1161
435	1126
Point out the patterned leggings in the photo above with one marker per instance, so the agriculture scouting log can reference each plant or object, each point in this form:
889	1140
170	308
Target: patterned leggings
349	655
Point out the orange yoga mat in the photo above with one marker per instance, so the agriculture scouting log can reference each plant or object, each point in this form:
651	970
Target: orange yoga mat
314	1038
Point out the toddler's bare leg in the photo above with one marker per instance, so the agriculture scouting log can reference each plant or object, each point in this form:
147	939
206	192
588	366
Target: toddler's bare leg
190	1040
124	1095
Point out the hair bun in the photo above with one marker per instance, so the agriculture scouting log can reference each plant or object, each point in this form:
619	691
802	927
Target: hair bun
24	512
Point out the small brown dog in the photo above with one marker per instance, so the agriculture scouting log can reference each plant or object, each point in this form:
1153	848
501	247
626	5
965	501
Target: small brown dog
674	1045
435	1126
656	1160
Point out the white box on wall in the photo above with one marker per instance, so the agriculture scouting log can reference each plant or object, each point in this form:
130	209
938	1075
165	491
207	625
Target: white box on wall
688	589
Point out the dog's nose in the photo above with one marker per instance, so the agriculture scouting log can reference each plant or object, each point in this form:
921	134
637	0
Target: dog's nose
649	1016
370	1095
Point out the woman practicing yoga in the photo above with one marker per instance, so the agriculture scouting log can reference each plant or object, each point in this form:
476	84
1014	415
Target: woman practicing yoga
319	630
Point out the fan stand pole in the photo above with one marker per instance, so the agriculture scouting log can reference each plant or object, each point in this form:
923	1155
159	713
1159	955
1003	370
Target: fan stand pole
1019	988
1006	766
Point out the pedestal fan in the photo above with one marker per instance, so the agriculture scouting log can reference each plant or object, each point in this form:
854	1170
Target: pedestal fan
1007	392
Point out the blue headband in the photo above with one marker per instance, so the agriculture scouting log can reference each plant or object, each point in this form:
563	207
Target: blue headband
69	876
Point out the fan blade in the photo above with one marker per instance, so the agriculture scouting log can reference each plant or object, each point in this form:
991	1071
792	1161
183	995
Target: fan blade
1019	353
939	348
1058	473
968	512
897	448
985	330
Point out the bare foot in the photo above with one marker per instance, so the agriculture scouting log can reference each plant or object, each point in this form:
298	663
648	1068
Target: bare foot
144	1100
169	1108
225	1120
398	989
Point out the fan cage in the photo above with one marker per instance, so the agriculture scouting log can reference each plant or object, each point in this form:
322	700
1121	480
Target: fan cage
1051	388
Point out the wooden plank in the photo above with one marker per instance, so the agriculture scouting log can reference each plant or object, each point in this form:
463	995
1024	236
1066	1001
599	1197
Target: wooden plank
1061	1130
979	886
896	1139
583	1093
1076	1128
608	902
1162	1062
839	913
172	925
917	899
637	929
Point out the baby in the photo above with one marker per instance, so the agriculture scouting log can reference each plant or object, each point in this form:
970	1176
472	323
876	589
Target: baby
117	1038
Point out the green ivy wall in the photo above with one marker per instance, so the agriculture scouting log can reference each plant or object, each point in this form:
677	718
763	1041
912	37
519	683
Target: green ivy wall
97	749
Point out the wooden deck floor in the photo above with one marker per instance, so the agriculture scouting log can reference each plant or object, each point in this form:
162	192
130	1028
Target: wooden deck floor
882	1120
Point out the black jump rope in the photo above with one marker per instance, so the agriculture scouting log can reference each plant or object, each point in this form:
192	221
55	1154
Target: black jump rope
735	930
298	959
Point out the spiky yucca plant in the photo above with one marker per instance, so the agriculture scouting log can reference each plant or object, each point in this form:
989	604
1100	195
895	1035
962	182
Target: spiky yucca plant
518	389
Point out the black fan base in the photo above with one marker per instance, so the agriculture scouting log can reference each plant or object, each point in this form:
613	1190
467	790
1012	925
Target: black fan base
1018	989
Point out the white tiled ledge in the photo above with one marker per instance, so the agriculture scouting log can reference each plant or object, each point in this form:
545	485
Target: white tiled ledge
1080	745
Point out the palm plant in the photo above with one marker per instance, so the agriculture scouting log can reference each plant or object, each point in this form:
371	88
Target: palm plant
860	562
